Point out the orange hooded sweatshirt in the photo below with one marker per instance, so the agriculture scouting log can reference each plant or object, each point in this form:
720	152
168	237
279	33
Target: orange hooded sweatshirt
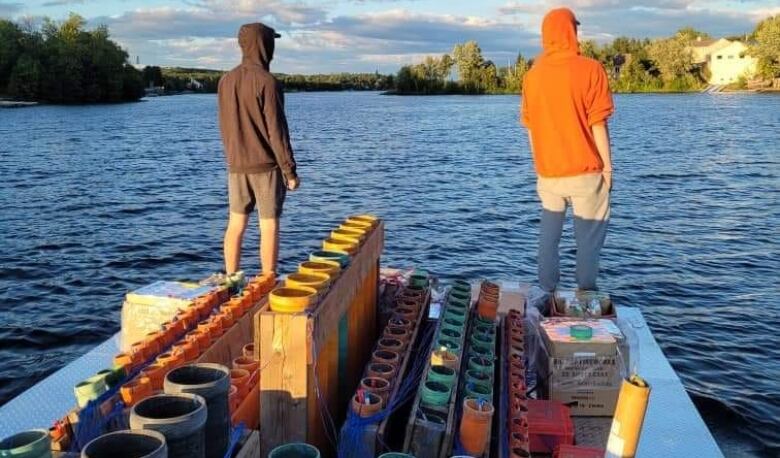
564	94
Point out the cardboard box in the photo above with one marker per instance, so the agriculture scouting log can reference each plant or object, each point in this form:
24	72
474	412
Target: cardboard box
168	294
145	309
584	374
561	298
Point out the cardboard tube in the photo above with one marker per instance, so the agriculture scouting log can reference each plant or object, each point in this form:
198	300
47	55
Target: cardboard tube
629	416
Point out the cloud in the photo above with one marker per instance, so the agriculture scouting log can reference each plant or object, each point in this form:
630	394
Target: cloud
9	9
168	23
205	34
542	6
378	1
431	30
658	22
202	33
607	19
209	18
62	2
286	13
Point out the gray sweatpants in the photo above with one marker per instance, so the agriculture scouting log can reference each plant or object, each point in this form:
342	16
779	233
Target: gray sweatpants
589	198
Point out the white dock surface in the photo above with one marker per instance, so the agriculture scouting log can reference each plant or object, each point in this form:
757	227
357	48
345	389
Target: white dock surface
673	426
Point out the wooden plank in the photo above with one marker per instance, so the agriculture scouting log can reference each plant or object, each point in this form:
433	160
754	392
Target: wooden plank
500	419
426	439
229	346
251	447
355	336
345	288
319	432
284	379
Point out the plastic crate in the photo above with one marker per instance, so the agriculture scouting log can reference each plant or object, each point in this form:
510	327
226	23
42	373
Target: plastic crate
549	425
573	451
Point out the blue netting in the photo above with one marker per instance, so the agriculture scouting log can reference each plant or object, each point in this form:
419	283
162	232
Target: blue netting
351	442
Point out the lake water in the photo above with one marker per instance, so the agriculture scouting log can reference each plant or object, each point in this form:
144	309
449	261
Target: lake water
98	200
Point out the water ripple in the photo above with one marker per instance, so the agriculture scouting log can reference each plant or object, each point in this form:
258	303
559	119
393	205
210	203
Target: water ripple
98	200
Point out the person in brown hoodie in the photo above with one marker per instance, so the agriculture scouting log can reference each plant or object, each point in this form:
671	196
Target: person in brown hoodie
260	161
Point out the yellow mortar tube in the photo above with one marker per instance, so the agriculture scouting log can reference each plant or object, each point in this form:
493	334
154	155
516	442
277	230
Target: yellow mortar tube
629	416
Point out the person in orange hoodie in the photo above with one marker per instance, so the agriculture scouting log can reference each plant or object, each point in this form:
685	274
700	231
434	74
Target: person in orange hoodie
565	105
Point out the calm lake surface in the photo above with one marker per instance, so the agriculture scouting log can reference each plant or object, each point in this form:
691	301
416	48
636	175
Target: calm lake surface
98	200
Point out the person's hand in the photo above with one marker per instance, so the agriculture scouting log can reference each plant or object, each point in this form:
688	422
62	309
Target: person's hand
607	174
293	183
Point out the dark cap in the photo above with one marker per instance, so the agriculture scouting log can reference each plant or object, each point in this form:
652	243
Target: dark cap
273	31
258	27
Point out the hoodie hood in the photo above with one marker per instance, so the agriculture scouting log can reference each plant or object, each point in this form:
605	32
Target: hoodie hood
559	32
257	44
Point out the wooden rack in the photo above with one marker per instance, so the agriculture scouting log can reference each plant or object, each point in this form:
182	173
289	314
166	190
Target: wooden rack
311	362
427	439
375	436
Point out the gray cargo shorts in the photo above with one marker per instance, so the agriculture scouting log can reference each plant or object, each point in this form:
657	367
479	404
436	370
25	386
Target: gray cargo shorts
265	190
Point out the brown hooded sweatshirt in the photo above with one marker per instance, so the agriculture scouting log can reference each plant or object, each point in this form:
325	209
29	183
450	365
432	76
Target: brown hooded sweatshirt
564	94
251	109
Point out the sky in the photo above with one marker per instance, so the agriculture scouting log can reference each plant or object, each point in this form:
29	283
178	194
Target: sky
375	35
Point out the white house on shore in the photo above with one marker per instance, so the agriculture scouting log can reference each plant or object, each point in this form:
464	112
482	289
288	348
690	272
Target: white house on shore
727	60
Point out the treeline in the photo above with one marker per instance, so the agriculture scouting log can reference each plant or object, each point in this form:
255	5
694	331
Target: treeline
633	65
175	80
337	82
62	62
765	47
662	65
667	64
476	75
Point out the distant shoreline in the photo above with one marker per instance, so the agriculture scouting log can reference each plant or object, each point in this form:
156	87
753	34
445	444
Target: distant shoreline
8	103
727	91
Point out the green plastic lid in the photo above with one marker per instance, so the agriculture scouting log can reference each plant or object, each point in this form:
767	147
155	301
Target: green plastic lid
581	331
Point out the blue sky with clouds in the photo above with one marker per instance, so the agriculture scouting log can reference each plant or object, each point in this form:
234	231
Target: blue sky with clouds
366	35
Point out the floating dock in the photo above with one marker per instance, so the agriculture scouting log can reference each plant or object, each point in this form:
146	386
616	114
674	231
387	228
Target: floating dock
16	104
311	365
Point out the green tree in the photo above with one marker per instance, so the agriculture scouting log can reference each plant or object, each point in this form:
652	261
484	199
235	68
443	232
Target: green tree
428	77
10	49
634	77
468	58
689	34
62	62
522	65
25	79
132	83
71	28
590	48
404	81
445	65
152	75
672	57
488	77
766	47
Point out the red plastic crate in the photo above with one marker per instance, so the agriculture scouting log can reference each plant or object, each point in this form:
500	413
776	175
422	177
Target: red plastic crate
549	425
573	451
